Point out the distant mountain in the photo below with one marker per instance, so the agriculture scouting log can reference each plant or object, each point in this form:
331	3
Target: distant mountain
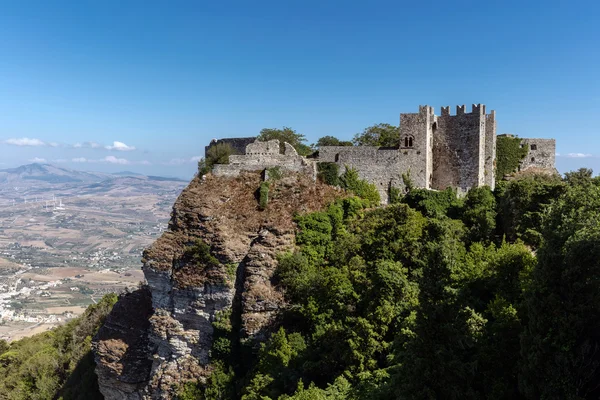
49	173
127	173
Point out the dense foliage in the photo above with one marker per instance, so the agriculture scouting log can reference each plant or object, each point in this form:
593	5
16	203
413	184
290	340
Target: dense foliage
55	364
509	153
490	296
331	141
329	172
382	135
216	154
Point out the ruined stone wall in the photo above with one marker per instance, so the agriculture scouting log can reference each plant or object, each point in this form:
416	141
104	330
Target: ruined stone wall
459	149
237	144
261	155
377	165
542	154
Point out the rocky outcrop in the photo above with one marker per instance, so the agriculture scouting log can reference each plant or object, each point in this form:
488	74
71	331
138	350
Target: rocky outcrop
187	286
121	347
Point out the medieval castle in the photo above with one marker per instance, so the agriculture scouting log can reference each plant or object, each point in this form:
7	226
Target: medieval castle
436	151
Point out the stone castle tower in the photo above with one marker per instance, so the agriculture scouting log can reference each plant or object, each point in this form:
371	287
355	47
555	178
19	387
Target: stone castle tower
449	150
436	151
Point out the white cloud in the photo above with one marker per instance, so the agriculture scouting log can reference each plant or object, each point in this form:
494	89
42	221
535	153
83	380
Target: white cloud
79	160
60	160
120	146
181	161
578	155
115	160
37	160
25	142
87	145
145	162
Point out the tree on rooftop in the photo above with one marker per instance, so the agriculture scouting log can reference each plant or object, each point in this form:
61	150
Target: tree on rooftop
331	141
383	135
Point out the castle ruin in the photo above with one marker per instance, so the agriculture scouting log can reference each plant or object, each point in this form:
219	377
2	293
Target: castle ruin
435	151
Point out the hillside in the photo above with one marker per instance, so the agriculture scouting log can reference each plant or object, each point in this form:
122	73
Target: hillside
315	295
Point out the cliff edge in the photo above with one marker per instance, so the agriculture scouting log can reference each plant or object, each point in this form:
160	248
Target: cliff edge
218	254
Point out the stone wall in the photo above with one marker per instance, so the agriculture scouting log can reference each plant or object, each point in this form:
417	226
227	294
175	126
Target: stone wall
542	154
378	165
261	155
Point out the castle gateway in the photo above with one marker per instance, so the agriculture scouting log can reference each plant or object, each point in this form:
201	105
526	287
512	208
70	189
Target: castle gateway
435	151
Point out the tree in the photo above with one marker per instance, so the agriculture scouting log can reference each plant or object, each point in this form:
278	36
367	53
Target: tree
216	154
480	214
560	348
331	141
438	360
580	177
286	135
382	135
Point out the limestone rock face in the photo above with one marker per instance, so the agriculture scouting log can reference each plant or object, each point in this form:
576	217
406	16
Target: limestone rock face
159	337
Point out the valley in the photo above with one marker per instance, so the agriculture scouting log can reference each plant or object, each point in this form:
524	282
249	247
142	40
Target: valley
68	237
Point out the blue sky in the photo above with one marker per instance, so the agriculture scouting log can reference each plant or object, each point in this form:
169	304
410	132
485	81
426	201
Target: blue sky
145	85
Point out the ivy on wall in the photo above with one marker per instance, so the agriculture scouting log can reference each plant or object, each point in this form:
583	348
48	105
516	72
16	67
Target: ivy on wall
509	154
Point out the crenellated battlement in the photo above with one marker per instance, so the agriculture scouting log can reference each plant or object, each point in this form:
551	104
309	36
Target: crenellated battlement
426	110
478	109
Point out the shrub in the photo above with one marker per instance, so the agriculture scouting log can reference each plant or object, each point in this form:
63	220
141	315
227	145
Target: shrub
274	173
349	180
329	173
216	154
263	196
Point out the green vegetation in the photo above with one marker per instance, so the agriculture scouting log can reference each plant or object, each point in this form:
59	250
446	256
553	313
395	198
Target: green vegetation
217	154
199	255
383	135
55	364
286	134
274	173
433	297
328	172
331	141
263	195
509	153
349	180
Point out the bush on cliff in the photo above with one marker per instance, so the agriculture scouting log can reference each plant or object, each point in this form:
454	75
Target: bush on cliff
57	363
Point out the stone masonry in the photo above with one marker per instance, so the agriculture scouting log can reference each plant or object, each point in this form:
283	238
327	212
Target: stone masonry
541	153
435	151
259	156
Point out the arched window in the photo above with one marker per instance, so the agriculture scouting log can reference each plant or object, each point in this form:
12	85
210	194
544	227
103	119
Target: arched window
337	157
408	141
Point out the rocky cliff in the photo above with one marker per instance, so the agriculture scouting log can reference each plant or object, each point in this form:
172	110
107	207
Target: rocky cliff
219	253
